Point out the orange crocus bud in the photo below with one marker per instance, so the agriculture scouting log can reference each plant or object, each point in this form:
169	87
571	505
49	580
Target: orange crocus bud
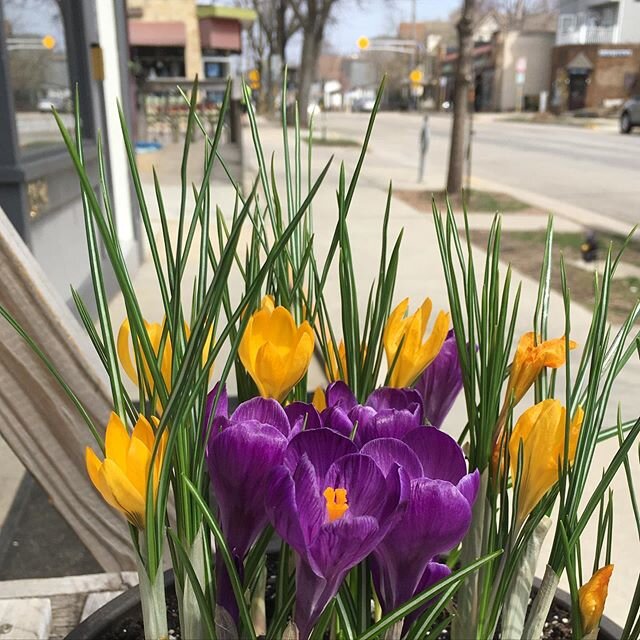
592	596
406	333
533	355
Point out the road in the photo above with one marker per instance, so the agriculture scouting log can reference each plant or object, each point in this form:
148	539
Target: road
595	169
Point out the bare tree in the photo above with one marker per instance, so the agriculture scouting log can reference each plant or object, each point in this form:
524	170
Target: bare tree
275	25
313	16
463	81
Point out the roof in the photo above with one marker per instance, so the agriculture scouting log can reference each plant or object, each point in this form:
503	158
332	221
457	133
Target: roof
240	14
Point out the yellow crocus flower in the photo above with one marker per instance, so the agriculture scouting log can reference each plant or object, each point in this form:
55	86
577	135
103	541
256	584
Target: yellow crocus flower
275	352
154	331
541	430
531	357
415	355
121	478
592	596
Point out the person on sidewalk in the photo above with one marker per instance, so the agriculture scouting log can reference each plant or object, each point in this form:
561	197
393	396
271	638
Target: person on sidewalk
424	147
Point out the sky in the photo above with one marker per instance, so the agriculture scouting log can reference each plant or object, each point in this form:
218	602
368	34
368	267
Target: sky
355	18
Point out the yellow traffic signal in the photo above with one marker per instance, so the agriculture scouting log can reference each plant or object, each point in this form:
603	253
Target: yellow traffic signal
48	42
363	43
254	78
416	76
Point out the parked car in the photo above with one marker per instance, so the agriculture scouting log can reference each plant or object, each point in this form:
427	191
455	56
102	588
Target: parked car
363	104
630	115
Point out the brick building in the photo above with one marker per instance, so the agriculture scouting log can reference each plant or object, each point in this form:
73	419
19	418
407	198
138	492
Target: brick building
596	60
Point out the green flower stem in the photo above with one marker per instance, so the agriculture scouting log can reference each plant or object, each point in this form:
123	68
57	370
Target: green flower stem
466	621
515	607
152	598
541	605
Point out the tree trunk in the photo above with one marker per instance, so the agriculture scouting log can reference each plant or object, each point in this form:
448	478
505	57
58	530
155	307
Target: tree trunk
312	40
461	98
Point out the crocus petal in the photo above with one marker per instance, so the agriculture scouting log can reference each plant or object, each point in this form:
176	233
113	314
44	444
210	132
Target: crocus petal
240	459
338	394
364	482
221	408
138	461
441	382
319	400
399	399
116	441
128	499
440	455
321	446
337	419
265	411
361	416
388	423
387	452
302	416
592	597
437	518
94	466
124	355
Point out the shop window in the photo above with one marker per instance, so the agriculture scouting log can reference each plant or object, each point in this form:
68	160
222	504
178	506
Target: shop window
38	71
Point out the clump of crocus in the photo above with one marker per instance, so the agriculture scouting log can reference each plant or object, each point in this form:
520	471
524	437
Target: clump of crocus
403	341
122	477
441	382
387	412
162	351
333	506
540	431
531	357
241	452
438	513
275	352
592	596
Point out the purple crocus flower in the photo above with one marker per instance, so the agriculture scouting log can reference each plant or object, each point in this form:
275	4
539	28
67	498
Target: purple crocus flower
333	506
437	517
441	382
241	452
387	412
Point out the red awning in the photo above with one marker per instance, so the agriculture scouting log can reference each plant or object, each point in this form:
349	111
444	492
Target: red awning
216	33
157	34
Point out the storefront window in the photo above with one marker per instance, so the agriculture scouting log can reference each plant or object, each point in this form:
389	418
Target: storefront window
38	69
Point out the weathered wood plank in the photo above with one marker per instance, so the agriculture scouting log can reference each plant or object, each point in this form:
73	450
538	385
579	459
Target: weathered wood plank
26	619
37	420
96	600
45	587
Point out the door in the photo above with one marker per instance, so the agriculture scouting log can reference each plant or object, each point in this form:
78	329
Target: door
578	83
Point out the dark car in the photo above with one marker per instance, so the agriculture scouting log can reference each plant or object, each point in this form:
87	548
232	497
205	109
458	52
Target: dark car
630	116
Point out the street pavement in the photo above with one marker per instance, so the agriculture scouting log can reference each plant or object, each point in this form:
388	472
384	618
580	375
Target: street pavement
597	169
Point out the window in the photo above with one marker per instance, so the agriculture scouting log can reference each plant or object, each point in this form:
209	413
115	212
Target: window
38	70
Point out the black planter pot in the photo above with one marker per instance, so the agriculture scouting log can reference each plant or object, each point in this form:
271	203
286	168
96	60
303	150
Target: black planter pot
105	619
127	605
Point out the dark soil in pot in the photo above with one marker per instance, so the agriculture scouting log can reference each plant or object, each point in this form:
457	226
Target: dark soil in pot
121	619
